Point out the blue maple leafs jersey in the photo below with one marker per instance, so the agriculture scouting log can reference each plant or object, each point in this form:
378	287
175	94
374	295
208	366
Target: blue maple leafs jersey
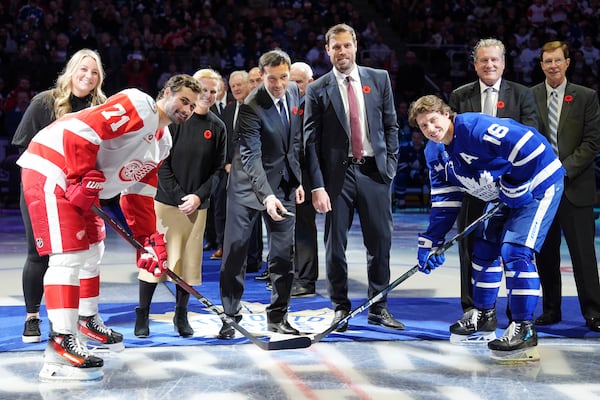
487	155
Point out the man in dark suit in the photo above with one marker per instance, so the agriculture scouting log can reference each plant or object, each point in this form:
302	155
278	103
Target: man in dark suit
507	100
574	132
353	105
306	260
265	178
240	88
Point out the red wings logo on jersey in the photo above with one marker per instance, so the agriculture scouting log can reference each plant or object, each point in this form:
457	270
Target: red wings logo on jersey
135	170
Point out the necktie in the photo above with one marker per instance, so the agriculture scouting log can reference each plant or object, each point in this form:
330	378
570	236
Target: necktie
488	105
553	120
286	127
283	114
221	107
355	131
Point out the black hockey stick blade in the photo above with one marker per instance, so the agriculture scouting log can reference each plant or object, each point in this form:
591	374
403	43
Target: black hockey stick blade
367	303
297	342
440	250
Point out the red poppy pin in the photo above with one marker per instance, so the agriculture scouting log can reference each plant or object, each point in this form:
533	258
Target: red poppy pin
366	89
295	110
207	134
500	104
568	98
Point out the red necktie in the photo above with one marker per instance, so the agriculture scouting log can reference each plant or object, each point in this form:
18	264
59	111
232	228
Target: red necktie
355	131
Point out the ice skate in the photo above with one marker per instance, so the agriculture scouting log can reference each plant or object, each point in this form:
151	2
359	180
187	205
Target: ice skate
475	326
518	344
94	333
66	359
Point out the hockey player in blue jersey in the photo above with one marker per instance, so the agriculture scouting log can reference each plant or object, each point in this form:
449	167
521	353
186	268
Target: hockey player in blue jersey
496	160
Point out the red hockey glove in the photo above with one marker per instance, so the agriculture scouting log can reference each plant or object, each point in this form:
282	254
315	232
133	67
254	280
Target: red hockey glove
154	260
86	193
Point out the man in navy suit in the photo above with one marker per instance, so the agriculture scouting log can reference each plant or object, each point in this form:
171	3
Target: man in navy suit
346	178
576	142
264	178
508	100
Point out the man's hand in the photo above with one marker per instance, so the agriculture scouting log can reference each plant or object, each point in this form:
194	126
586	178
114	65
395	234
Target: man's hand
300	195
320	201
85	194
154	260
429	261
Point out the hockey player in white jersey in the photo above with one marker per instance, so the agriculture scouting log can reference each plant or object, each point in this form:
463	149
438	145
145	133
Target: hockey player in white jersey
100	152
495	160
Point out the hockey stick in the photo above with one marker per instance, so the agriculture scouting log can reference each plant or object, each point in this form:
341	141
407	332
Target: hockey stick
440	250
298	342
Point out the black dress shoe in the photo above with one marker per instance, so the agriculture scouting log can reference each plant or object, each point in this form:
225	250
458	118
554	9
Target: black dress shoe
384	318
227	331
338	316
210	246
593	324
264	276
283	327
252	268
299	290
547	319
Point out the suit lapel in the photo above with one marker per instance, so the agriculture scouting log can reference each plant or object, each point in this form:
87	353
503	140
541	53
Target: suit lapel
333	92
475	98
566	106
367	82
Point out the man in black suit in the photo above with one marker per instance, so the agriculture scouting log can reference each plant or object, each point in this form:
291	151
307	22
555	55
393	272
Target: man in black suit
265	178
306	260
352	104
575	137
507	100
240	88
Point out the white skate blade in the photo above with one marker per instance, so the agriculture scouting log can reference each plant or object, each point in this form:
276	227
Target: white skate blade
97	347
481	337
52	372
529	354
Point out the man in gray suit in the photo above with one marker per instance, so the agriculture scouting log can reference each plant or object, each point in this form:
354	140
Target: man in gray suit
575	137
506	100
352	144
264	178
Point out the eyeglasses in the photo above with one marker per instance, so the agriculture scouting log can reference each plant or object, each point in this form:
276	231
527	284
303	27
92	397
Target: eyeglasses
557	61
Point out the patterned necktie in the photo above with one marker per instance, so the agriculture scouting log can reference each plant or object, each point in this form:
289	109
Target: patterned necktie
553	120
355	131
284	117
488	105
221	108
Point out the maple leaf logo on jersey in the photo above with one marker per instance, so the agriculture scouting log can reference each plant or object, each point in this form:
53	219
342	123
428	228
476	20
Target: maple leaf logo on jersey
135	170
485	188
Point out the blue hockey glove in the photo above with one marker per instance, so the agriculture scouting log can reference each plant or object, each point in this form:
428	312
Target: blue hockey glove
429	261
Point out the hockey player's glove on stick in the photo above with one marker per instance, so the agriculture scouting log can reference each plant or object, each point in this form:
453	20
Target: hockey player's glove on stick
291	343
438	252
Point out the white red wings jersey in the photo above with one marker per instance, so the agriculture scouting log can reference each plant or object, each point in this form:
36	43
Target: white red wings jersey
118	137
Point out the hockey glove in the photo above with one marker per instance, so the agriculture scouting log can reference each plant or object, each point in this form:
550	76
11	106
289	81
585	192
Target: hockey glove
154	260
429	261
85	194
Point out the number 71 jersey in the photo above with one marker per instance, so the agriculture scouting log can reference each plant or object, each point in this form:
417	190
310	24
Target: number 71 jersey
119	138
